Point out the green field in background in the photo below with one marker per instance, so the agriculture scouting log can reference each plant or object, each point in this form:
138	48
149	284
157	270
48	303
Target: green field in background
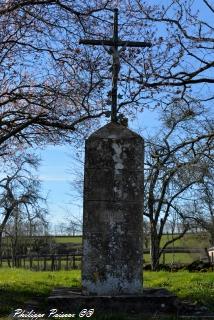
68	239
199	240
175	258
190	240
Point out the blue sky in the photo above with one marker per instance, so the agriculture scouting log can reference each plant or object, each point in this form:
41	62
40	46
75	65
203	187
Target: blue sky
57	161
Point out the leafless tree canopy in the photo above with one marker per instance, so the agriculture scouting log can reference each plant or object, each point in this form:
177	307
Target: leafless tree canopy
20	198
51	86
43	91
179	159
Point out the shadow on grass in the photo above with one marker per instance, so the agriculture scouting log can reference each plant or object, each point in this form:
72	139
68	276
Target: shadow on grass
12	298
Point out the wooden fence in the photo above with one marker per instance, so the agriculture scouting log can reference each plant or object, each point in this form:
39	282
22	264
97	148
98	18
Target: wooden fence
68	261
44	262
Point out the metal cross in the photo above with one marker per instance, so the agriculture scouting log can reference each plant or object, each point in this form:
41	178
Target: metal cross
115	42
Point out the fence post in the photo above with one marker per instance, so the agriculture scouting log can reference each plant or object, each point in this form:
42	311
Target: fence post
59	263
52	263
45	264
8	262
164	258
74	261
67	262
38	265
31	262
212	260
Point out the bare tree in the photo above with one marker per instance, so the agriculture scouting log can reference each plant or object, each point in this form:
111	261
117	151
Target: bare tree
201	209
74	226
20	197
146	234
24	231
53	90
182	59
42	96
178	160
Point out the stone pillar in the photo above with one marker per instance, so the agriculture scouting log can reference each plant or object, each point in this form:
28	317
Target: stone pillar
113	212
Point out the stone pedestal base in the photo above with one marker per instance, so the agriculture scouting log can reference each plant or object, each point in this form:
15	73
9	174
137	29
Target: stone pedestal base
152	301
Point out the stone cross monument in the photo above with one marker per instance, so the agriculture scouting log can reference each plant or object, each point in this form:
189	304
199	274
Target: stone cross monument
113	199
114	43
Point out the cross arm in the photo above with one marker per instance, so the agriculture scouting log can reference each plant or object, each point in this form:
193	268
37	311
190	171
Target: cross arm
118	43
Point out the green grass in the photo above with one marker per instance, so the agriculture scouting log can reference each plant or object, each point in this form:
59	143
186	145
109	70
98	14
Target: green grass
68	239
18	285
189	240
197	287
177	258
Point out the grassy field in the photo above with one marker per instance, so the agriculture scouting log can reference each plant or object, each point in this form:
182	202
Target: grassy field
18	285
68	239
189	240
175	258
199	240
197	287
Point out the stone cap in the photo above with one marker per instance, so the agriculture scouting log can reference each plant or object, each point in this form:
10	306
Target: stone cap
114	131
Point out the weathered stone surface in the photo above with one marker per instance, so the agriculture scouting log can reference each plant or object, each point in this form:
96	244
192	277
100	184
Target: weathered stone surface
113	212
153	301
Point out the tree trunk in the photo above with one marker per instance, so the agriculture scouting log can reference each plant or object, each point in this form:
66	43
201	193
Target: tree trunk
211	237
74	261
0	245
154	248
52	263
45	264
